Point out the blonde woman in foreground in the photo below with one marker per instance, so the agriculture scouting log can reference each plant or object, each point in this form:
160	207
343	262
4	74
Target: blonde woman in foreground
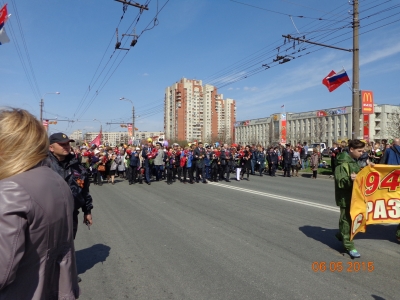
37	258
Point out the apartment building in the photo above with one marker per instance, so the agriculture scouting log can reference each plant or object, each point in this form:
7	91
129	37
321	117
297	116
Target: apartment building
193	111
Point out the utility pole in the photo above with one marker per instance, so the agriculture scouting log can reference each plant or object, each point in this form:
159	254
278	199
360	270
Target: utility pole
42	104
356	110
41	110
356	74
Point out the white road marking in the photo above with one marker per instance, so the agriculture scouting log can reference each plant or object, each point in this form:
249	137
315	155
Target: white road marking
279	197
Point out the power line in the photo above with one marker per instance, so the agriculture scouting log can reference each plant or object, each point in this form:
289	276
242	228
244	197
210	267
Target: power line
25	47
101	84
284	14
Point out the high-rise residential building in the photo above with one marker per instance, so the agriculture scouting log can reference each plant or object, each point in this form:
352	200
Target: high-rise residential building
193	111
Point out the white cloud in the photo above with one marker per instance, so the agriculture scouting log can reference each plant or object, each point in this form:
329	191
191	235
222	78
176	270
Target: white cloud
380	54
230	89
251	89
145	74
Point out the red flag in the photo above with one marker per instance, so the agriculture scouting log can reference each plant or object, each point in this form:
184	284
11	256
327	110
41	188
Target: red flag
331	86
3	14
96	141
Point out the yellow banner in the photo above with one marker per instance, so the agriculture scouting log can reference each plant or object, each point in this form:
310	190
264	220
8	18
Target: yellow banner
375	198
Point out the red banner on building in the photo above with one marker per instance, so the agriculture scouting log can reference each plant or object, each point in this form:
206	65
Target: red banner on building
367	102
366	127
130	132
283	129
46	124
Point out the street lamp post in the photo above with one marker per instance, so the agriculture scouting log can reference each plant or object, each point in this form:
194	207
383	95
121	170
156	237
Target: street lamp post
42	104
133	116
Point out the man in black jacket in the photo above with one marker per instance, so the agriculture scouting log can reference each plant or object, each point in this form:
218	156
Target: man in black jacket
198	155
226	162
69	168
272	158
287	160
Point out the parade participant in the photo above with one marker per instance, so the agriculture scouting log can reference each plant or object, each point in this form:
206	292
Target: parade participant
334	152
190	165
94	163
121	163
147	156
273	160
287	156
314	162
74	174
392	157
261	157
246	162
107	159
169	161
101	168
303	156
296	162
134	165
376	153
183	163
176	170
34	202
207	162
226	161
253	151
199	154
345	174
215	162
114	161
237	160
159	161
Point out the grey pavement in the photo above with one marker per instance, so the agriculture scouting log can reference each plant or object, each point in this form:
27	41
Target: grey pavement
256	239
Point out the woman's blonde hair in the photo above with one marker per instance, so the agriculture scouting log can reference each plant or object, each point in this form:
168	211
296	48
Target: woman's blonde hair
19	130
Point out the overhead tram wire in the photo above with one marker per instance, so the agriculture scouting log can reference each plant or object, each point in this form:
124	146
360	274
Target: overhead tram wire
258	70
26	47
91	84
101	87
244	75
326	12
213	77
21	58
284	14
137	18
235	66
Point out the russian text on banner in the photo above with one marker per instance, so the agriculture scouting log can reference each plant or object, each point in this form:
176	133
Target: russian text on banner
375	198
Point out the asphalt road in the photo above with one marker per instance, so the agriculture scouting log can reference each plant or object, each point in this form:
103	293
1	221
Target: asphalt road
257	239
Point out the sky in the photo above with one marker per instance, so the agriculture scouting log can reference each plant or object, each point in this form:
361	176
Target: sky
68	47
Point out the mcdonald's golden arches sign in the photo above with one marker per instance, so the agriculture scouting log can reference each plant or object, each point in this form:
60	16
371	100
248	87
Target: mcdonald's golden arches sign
367	102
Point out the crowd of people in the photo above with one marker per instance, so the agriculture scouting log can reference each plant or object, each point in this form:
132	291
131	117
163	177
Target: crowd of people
196	162
193	163
39	209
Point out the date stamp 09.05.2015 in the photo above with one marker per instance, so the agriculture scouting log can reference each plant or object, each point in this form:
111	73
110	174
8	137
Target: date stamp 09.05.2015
338	266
